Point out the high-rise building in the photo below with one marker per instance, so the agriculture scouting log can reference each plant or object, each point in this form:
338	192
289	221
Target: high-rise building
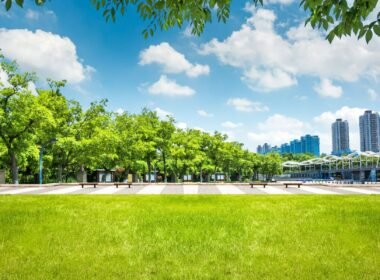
369	131
285	148
340	137
259	149
295	146
310	144
307	144
264	149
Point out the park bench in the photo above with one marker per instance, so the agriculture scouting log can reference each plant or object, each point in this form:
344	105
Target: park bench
258	184
88	184
293	184
117	184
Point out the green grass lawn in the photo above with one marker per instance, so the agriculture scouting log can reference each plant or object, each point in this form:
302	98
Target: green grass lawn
190	237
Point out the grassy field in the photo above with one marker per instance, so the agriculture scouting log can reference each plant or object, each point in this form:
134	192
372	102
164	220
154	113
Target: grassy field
190	237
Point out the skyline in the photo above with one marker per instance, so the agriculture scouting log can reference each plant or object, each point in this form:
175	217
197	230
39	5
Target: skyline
269	93
369	126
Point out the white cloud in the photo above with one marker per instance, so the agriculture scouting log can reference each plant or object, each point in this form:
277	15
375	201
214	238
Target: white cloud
181	125
281	122
31	14
167	87
162	114
373	95
3	79
4	83
187	32
231	125
230	134
351	114
48	54
245	105
36	15
119	111
267	80
171	60
269	60
32	88
278	129
327	89
203	113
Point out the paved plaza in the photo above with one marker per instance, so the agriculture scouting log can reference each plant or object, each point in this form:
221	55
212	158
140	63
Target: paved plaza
189	189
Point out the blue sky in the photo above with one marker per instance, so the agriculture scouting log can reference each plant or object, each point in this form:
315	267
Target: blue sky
262	77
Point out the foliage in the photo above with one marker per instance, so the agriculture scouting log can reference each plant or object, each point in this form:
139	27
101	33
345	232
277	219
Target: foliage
338	17
341	18
97	139
297	157
21	114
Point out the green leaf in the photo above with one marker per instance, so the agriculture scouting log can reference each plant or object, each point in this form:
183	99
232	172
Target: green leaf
8	4
330	37
20	2
376	29
361	33
325	25
368	36
159	5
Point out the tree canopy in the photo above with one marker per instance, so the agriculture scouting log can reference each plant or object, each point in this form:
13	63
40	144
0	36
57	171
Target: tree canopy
338	17
96	138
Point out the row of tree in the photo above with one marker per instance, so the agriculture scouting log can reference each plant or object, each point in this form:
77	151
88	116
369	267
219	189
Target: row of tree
85	140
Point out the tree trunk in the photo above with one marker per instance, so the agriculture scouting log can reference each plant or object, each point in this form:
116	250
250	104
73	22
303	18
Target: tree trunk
14	168
127	174
164	160
60	172
149	171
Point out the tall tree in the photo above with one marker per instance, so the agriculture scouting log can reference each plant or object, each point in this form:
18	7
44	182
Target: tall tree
21	113
146	138
165	132
214	150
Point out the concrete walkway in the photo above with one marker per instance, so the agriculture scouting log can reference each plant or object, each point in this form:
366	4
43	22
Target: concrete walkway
190	189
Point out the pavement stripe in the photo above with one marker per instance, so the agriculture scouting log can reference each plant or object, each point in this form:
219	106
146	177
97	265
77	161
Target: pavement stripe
357	190
152	189
64	190
317	190
190	189
106	190
2	189
229	189
21	190
274	190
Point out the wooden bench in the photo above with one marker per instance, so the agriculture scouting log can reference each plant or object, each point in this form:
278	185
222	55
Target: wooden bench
258	184
88	184
123	184
293	184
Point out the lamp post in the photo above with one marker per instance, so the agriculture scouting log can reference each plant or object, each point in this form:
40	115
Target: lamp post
53	140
